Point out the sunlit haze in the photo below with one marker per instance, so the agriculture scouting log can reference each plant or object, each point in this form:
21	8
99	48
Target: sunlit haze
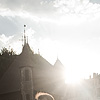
67	29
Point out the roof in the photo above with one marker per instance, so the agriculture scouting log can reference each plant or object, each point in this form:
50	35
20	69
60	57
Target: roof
58	65
11	77
45	78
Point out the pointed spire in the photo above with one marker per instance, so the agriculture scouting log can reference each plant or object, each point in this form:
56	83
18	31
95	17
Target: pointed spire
38	51
58	64
26	48
24	35
57	57
27	39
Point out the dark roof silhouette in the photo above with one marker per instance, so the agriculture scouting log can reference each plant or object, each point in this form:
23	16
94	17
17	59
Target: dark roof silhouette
11	79
45	78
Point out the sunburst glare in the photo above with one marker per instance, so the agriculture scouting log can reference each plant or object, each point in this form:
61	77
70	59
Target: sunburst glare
72	78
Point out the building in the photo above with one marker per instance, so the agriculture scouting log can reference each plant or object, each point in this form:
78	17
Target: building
88	89
30	73
94	86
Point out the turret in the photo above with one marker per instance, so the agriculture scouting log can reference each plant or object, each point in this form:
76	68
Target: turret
26	71
26	83
58	65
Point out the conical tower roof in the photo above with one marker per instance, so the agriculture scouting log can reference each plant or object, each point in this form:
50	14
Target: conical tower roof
26	57
58	65
43	72
41	68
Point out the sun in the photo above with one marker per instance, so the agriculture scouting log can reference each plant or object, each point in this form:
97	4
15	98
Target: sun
72	78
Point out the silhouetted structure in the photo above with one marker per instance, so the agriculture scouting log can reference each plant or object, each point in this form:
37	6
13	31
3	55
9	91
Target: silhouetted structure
30	73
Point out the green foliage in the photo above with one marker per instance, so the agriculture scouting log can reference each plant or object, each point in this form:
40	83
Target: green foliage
7	53
6	58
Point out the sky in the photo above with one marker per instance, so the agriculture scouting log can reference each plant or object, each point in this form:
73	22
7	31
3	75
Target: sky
67	29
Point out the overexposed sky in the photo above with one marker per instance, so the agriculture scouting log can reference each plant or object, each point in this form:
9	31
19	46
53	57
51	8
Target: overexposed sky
67	29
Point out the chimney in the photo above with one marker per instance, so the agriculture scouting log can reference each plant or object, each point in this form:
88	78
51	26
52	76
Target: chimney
90	77
94	75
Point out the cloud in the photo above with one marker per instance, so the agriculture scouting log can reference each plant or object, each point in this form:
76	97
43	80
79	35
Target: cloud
32	6
95	1
43	7
83	7
49	10
4	39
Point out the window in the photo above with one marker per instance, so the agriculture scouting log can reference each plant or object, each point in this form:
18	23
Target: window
27	75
